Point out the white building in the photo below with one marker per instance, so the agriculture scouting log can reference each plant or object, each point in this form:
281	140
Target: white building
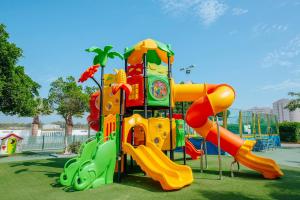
266	110
284	114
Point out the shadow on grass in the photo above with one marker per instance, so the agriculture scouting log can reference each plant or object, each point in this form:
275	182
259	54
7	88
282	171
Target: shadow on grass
55	163
286	187
226	173
39	166
140	181
213	195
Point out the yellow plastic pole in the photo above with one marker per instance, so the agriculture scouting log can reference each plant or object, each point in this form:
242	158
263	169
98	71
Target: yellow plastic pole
240	124
258	125
254	124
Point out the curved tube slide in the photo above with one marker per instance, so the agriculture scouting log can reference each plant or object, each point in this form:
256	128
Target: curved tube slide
209	100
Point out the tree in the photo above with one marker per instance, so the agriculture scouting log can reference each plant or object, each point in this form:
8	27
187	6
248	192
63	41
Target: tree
69	100
294	103
17	90
42	107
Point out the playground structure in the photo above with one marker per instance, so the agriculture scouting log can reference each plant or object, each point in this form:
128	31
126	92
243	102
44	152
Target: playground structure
124	112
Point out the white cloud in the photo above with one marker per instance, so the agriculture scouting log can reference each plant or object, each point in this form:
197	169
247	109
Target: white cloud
239	11
268	28
283	56
284	85
208	11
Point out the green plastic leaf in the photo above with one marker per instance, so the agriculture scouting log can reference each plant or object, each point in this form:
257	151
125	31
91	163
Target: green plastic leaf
128	52
96	59
107	48
103	60
114	54
95	50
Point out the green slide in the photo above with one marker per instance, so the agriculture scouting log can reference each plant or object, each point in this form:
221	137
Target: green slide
93	167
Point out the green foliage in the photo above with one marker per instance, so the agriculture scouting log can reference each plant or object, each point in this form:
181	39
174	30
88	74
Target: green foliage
294	103
289	131
42	107
17	89
68	99
178	107
74	147
103	55
233	128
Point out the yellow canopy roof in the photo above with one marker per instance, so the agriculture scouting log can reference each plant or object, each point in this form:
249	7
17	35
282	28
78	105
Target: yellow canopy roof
135	54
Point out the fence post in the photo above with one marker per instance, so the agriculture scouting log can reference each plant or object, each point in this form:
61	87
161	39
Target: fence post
225	119
254	124
240	124
258	124
43	144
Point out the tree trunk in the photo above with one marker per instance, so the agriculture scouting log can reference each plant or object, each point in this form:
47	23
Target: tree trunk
69	125
35	125
68	131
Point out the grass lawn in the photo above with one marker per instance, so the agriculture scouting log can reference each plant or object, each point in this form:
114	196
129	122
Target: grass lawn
32	180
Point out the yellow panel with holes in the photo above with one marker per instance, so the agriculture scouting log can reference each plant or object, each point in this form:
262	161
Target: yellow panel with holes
159	132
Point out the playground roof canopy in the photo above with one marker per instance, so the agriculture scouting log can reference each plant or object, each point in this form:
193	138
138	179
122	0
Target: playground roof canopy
156	52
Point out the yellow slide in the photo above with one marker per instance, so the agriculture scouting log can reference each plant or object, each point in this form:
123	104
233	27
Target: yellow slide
159	167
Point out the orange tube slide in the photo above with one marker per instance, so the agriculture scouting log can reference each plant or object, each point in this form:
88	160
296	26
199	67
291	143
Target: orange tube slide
208	100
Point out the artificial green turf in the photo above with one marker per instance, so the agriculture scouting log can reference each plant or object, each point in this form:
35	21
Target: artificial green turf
32	180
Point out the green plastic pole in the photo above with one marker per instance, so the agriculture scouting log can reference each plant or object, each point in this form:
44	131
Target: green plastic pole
225	119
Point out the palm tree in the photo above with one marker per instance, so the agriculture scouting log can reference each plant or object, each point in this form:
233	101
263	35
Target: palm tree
101	59
42	108
294	103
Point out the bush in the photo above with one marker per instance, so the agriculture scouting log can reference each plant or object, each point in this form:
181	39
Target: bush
74	147
289	131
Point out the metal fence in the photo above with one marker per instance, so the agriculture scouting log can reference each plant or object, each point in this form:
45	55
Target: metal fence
46	143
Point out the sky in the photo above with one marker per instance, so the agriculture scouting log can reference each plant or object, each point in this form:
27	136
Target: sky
252	45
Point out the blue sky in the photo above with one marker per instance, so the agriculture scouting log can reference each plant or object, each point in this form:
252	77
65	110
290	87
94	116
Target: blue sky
252	45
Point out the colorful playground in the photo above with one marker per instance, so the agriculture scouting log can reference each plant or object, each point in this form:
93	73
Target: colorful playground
149	100
124	112
142	148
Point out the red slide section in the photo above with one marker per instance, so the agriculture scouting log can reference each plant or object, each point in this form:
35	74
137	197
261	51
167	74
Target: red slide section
191	150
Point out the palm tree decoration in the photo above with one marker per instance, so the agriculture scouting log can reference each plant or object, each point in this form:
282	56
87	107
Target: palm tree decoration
101	60
294	103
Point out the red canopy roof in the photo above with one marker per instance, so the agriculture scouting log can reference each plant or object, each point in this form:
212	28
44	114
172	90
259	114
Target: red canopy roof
12	134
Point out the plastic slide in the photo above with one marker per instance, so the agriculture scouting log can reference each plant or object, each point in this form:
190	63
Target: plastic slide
93	167
208	100
192	151
159	167
72	165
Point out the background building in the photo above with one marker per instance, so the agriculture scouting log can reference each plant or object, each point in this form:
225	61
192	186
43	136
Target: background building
266	110
284	114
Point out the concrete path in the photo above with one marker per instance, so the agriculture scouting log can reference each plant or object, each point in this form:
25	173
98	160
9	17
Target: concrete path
288	154
26	157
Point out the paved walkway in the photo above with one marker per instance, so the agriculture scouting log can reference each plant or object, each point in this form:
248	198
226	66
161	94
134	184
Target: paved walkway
288	154
26	157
